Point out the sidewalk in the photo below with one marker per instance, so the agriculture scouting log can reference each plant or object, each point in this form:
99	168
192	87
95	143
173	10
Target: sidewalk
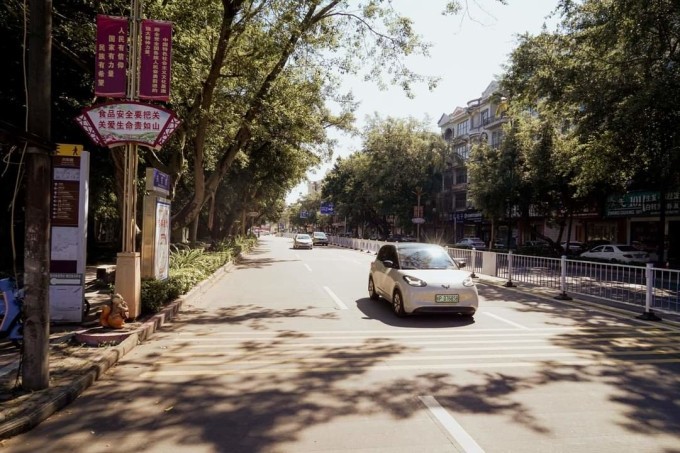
73	365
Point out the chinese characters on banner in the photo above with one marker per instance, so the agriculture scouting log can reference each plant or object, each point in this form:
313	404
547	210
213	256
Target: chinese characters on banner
111	57
116	123
154	77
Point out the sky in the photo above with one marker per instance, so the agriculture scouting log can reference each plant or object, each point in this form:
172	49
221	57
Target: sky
467	53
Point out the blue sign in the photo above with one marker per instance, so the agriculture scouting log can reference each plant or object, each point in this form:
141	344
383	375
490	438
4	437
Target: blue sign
327	208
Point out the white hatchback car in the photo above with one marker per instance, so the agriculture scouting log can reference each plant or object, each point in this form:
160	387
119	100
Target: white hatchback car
421	278
617	253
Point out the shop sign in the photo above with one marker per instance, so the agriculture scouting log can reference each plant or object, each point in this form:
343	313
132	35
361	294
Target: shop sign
642	203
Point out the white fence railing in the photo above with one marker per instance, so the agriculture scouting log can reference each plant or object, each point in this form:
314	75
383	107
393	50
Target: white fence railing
649	288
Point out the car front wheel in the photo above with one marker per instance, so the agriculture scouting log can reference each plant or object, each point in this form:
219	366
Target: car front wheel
398	305
371	290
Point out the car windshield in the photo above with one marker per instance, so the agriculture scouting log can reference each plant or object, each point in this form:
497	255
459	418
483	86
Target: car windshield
302	236
320	235
425	258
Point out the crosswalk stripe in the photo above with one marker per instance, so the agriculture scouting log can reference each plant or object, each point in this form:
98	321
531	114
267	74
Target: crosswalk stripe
446	366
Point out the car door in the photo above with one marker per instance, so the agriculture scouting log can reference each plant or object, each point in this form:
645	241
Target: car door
380	271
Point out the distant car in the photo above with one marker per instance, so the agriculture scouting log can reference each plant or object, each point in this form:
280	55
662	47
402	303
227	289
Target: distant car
319	238
535	244
302	241
421	278
574	246
617	253
471	243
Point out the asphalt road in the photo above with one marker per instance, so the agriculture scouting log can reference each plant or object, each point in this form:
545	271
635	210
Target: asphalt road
288	354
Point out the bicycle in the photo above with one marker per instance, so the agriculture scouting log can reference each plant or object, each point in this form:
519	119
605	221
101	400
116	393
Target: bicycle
11	319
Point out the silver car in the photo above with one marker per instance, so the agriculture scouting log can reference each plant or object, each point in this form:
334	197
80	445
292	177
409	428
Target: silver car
617	253
421	278
302	241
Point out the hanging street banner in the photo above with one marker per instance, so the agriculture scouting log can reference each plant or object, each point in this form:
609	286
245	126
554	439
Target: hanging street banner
111	57
118	123
154	72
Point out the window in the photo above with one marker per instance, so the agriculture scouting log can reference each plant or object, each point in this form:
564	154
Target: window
462	128
485	117
462	151
496	139
461	200
461	176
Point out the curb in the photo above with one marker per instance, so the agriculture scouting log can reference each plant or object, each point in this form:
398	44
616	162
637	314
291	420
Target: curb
61	396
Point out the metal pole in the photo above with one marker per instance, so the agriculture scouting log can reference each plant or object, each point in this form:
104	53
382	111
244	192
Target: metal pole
563	279
509	283
649	314
128	266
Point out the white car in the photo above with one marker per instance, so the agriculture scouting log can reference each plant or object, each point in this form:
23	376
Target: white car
421	278
475	243
617	253
302	241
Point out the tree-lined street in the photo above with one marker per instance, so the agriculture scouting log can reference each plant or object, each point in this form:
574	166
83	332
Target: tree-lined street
287	353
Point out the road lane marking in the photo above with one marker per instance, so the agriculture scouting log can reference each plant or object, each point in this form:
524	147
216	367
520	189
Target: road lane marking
451	425
581	329
308	268
547	355
507	321
391	368
335	298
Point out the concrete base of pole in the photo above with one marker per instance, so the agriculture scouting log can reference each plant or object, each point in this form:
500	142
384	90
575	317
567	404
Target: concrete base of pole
129	281
563	296
509	284
649	316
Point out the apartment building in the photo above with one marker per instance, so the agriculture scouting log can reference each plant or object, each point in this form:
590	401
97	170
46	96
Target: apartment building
632	218
481	120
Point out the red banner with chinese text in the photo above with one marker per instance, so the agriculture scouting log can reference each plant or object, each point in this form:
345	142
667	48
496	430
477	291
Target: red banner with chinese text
154	72
111	57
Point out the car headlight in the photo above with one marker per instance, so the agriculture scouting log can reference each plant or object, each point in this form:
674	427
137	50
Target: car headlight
468	281
413	281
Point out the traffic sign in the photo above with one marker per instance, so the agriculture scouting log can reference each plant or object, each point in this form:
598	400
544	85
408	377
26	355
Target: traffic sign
418	220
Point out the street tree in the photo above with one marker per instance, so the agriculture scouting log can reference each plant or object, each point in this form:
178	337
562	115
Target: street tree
612	69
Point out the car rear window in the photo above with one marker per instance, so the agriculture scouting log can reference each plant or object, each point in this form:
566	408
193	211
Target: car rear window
627	248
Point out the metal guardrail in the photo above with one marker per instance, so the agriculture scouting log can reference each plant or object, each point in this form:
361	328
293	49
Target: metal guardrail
648	288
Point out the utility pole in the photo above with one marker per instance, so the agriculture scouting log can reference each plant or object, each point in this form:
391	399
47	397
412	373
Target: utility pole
35	373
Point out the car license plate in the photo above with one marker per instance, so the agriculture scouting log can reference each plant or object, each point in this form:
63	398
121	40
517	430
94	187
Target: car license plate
446	298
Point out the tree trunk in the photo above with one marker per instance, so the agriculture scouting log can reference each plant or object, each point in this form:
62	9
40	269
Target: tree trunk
35	372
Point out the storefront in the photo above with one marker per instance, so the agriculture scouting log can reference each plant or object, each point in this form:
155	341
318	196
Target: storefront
641	209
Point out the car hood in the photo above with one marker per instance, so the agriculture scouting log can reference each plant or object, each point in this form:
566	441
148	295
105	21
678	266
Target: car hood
437	276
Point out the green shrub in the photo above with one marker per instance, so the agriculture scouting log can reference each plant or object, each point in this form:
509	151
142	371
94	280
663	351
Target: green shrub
189	267
154	296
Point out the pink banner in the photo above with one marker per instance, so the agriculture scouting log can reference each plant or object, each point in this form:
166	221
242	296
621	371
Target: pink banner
154	73
111	57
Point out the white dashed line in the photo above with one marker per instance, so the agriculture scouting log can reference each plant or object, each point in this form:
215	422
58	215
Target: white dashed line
450	424
335	298
507	321
308	268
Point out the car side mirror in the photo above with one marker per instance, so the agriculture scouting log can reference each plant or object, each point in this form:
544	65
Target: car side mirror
388	263
461	263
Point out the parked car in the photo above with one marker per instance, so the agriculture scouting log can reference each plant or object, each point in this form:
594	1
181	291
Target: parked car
574	247
471	243
302	241
319	238
421	278
617	253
